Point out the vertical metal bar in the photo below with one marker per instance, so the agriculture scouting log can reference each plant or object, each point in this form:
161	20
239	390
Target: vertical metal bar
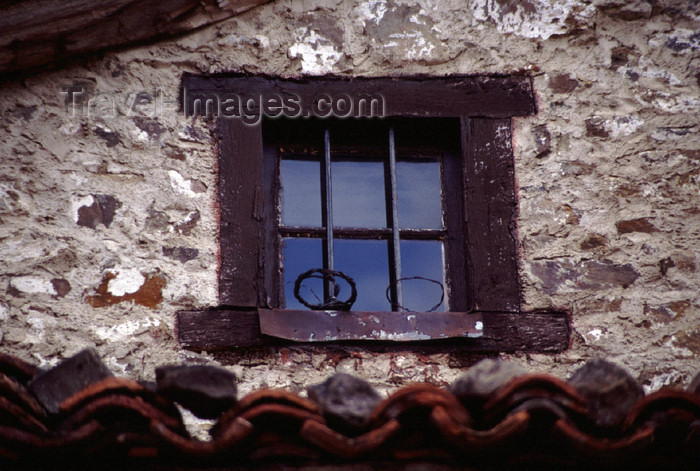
329	285
396	242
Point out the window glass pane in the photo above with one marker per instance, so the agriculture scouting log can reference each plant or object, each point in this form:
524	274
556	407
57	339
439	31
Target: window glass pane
367	263
300	255
419	194
301	192
422	258
358	193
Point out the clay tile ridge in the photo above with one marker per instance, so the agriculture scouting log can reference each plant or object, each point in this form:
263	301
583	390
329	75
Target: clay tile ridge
517	419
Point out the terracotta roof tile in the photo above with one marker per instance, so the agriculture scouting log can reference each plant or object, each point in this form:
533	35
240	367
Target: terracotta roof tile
529	420
19	369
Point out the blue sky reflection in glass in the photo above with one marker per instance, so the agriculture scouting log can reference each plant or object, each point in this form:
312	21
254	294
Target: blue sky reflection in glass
301	192
419	194
367	263
302	254
360	201
358	193
422	258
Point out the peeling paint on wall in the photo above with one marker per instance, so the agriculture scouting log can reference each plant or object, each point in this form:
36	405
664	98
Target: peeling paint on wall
32	285
533	18
125	330
317	53
189	188
148	292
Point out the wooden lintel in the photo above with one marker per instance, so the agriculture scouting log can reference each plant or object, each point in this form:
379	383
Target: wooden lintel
418	96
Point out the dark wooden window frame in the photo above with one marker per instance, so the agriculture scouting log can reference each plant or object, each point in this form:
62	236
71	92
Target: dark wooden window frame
484	105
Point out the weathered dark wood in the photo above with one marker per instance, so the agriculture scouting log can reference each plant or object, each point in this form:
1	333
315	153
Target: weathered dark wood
546	331
455	246
330	326
533	332
271	260
490	214
241	277
38	32
217	329
491	96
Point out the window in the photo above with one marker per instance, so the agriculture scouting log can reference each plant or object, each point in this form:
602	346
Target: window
384	185
420	199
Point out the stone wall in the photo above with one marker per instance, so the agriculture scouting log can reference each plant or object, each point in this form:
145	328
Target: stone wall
108	220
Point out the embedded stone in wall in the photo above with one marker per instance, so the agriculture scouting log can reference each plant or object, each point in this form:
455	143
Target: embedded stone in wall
589	274
130	286
24	112
671	133
186	226
683	40
635	225
175	154
110	137
61	286
562	83
667	313
614	126
621	56
593	241
182	254
576	168
595	127
690	179
193	134
96	209
623	125
626	10
688	339
606	273
685	261
150	126
543	141
665	264
157	220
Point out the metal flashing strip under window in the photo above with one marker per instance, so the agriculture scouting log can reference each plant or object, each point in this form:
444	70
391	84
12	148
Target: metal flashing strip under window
331	326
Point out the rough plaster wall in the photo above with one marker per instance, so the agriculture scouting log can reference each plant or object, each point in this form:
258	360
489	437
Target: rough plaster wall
108	222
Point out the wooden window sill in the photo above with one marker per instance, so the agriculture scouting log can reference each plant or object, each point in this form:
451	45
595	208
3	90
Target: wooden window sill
226	328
